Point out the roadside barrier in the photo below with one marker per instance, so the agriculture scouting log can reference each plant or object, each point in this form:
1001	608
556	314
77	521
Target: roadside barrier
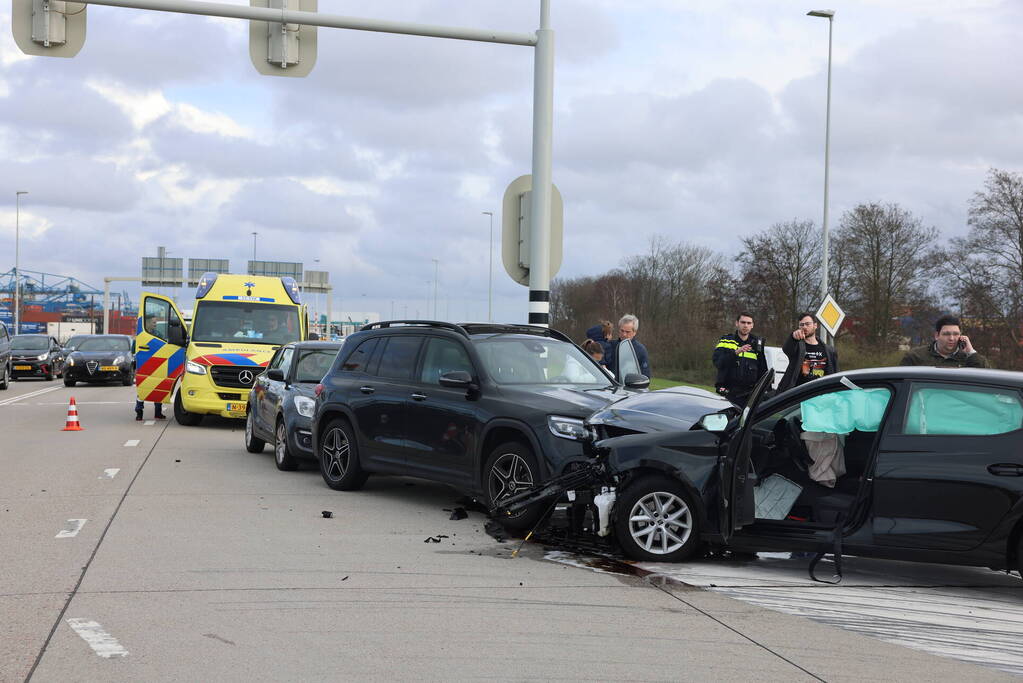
72	418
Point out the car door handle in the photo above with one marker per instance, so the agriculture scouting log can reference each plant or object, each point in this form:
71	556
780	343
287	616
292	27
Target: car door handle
367	389
1006	469
418	397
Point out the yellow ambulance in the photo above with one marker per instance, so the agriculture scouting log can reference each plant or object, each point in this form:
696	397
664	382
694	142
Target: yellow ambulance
238	321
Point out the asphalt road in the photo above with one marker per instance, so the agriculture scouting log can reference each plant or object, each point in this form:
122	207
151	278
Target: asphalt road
150	552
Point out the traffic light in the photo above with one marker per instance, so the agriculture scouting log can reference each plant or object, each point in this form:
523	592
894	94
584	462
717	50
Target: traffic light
282	49
49	28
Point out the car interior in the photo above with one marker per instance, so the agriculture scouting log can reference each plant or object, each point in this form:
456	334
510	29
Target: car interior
793	482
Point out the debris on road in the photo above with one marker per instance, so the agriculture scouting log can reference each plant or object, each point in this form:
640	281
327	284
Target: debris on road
327	514
458	513
434	539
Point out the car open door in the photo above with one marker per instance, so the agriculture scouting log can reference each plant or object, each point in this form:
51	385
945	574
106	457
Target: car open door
160	341
736	505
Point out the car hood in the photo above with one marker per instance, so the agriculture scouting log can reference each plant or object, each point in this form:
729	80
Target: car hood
567	399
98	355
674	409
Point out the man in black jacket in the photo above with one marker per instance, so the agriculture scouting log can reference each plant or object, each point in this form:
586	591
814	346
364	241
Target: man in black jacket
809	358
739	358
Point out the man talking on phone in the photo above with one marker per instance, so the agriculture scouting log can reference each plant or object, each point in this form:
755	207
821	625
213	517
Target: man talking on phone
950	348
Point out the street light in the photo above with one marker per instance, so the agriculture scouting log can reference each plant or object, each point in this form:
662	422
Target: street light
490	290
17	277
828	14
254	246
436	273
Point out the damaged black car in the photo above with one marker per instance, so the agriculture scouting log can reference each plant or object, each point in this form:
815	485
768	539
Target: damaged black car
917	464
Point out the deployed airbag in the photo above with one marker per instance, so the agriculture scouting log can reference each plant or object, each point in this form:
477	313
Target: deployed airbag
841	412
955	411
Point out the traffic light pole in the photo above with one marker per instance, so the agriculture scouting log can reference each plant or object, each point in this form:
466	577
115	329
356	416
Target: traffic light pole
543	100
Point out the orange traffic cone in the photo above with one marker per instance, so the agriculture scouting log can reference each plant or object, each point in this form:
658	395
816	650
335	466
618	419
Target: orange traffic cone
72	418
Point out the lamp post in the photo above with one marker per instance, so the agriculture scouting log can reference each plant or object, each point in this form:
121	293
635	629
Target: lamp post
490	289
254	246
17	254
436	273
828	14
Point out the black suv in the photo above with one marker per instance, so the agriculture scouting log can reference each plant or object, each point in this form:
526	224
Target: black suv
489	409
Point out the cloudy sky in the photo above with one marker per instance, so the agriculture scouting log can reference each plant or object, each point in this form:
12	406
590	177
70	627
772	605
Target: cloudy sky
699	120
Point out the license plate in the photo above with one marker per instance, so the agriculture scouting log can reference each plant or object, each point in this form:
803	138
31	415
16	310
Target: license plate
236	407
22	367
109	368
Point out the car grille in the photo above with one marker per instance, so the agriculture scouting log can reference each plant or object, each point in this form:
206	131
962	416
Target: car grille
228	375
91	366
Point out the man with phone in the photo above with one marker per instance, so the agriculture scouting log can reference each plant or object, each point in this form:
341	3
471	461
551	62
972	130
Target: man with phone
950	348
739	359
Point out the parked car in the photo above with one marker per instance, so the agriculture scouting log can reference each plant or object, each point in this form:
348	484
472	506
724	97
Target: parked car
281	401
36	355
5	357
489	409
931	470
73	341
101	358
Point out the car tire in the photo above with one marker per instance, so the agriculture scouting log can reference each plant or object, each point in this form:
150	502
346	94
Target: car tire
49	374
6	380
1019	556
509	469
656	521
283	458
338	455
128	381
182	416
253	444
68	382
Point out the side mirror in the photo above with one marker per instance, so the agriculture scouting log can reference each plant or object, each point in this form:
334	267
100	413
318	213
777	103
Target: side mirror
276	374
636	381
715	422
456	379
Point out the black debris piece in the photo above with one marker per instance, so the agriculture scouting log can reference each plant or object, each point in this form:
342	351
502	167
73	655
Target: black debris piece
496	531
470	503
458	513
434	539
177	460
327	514
345	579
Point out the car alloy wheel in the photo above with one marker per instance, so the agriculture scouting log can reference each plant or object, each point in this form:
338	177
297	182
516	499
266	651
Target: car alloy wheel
253	444
336	454
660	523
284	459
510	474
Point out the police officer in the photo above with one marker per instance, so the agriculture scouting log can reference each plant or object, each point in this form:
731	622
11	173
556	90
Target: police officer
739	358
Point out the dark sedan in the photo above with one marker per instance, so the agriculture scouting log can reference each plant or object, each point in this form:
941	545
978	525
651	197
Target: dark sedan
36	355
282	400
919	464
101	358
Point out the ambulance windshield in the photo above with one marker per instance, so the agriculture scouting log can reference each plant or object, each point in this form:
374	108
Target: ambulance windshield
243	321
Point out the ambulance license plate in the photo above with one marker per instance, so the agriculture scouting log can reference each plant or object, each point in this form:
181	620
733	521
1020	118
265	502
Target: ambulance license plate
22	367
109	368
236	407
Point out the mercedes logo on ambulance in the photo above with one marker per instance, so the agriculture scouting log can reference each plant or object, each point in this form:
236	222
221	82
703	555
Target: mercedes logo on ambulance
245	377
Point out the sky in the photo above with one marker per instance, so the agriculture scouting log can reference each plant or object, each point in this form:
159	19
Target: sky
698	120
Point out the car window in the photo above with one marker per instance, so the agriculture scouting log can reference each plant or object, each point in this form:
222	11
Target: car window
29	344
954	409
360	357
399	357
314	364
284	359
626	360
538	361
443	355
836	412
156	317
104	344
278	360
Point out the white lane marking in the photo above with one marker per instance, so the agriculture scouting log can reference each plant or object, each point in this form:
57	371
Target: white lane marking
101	642
31	394
149	423
110	473
131	443
72	528
89	403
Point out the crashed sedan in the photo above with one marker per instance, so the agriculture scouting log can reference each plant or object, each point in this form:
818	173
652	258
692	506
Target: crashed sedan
918	464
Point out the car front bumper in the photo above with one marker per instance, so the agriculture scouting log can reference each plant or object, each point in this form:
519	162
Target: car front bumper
199	395
80	373
30	368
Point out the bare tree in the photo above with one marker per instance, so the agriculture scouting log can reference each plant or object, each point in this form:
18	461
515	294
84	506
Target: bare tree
887	251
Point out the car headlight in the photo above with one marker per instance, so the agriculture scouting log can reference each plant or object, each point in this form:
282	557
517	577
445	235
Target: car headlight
118	360
71	361
305	406
195	368
41	356
567	427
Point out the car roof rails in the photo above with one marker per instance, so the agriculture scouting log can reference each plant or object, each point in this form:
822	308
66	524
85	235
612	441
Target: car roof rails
501	328
413	323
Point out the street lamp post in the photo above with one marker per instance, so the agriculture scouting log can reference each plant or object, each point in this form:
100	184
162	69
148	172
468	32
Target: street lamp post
436	273
17	254
490	289
828	14
254	246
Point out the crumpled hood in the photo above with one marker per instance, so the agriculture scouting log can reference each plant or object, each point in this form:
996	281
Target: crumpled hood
564	399
672	409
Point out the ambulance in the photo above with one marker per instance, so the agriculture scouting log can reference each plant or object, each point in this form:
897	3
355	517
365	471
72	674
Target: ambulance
207	367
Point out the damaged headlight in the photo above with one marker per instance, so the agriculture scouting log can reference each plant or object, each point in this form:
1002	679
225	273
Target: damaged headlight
568	427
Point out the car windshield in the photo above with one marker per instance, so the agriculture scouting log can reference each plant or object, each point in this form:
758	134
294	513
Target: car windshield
219	321
30	344
101	344
514	360
314	364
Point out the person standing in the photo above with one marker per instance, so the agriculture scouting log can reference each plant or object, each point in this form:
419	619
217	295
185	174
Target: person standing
809	358
628	327
151	328
602	333
950	348
740	362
